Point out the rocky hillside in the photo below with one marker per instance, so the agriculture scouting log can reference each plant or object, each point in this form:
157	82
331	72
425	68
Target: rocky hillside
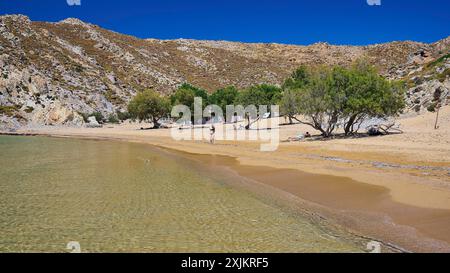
51	73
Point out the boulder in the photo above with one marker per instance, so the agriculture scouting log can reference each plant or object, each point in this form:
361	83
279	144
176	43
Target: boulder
93	123
78	120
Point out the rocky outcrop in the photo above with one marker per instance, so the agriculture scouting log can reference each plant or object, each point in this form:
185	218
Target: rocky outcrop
428	95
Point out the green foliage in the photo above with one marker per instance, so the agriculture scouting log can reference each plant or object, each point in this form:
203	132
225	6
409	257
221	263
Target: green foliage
112	118
25	88
432	107
290	100
122	116
78	68
186	93
438	61
320	101
298	79
183	96
224	97
337	95
9	110
112	97
263	94
444	75
98	116
84	115
370	94
29	109
149	106
289	104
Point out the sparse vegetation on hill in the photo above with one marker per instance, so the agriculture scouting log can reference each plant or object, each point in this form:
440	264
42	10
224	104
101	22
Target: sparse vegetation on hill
8	110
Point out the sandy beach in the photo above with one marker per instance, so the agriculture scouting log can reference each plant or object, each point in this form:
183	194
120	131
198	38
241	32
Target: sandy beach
393	188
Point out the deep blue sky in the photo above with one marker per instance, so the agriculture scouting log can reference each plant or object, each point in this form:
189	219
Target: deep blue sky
281	21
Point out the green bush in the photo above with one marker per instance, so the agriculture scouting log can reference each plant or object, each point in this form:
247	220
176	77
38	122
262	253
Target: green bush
432	107
78	68
112	97
29	109
438	61
9	110
122	116
98	116
441	77
113	119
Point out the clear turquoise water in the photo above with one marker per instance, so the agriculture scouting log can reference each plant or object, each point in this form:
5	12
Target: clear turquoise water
123	197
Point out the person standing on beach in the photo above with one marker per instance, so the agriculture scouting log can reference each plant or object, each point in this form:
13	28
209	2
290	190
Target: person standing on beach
212	139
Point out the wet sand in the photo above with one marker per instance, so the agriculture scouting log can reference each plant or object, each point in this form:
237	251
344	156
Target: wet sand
366	210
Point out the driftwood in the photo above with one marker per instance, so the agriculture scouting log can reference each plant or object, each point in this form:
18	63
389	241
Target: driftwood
250	123
384	129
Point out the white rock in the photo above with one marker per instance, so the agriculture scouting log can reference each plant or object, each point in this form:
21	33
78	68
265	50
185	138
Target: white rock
93	123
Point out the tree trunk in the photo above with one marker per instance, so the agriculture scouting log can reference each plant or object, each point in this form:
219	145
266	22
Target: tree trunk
319	128
349	125
290	120
156	124
437	119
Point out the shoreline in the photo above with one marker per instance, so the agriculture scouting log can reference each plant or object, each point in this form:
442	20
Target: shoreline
394	188
371	226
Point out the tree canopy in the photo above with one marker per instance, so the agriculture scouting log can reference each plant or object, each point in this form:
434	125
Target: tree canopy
149	106
257	95
329	97
186	93
224	97
325	97
298	78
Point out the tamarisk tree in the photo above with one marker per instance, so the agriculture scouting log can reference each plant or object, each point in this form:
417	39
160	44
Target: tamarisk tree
149	106
337	96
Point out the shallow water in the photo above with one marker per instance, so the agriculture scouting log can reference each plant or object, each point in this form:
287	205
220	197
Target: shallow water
124	197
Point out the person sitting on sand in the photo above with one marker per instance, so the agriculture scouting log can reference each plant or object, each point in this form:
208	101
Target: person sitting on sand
299	137
307	135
